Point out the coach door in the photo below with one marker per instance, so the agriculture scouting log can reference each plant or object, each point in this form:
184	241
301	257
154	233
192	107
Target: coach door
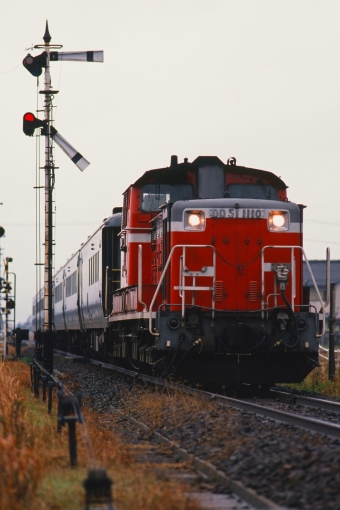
80	305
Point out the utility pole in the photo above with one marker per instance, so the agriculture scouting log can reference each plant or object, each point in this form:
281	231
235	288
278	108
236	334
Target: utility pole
332	320
7	291
35	65
14	300
2	233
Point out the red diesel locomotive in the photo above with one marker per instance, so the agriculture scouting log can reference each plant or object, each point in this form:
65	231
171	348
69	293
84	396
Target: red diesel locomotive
207	281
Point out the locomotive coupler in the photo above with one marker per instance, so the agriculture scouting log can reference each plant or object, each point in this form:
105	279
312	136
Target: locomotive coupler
283	318
282	273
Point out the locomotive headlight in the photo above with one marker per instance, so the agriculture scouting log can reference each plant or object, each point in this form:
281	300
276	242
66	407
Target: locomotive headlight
194	220
278	221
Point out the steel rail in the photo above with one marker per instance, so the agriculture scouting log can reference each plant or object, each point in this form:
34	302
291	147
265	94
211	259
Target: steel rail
304	422
246	494
319	403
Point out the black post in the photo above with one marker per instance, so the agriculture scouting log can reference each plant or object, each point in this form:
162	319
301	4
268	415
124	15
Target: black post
98	490
44	384
48	350
36	376
60	410
32	375
331	357
50	390
38	345
72	441
18	341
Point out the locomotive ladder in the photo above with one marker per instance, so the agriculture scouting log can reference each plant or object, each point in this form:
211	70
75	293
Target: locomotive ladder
206	271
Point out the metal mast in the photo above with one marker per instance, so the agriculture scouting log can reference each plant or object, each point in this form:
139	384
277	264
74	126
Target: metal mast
49	185
44	339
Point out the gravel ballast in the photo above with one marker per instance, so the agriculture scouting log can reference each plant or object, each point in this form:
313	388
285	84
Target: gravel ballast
290	466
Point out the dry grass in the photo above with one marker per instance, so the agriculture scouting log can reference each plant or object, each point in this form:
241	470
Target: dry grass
166	409
34	461
20	464
159	407
318	381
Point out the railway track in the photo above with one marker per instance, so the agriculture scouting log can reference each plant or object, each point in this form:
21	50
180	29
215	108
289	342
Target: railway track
311	424
319	403
278	460
239	496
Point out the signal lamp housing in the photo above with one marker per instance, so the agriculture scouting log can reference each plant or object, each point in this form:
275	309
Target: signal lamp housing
35	64
10	304
31	123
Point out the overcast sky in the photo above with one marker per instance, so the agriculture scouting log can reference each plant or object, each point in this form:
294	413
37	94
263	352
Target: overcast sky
257	80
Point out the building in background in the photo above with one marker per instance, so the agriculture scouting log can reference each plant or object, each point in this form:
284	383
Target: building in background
319	271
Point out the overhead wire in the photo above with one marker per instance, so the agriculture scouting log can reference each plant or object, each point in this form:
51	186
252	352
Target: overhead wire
11	70
325	222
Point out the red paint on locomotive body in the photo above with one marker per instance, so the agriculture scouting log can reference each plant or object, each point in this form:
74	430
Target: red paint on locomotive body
233	229
238	245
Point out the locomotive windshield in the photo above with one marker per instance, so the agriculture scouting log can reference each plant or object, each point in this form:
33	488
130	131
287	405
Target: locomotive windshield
156	194
259	191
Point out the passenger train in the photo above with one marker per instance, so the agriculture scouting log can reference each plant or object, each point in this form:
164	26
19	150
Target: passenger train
199	273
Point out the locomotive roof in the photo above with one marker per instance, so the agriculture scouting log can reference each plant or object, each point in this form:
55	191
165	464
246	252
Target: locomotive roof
176	172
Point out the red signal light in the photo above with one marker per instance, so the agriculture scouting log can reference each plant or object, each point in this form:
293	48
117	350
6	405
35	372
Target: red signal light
29	116
31	123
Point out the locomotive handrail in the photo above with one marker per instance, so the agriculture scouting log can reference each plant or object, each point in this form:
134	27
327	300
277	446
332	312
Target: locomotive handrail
139	287
328	277
136	228
163	275
292	248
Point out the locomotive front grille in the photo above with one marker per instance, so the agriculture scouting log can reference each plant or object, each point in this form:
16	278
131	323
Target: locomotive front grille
219	293
253	294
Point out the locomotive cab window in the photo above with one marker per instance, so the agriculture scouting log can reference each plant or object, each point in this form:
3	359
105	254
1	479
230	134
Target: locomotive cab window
258	191
156	194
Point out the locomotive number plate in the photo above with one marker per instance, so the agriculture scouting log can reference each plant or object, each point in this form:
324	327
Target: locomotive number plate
256	214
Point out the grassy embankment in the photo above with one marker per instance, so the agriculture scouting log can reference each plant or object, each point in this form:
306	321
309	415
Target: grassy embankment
318	381
34	460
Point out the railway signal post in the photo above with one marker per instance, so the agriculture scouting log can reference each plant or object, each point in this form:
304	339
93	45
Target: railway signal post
9	304
35	66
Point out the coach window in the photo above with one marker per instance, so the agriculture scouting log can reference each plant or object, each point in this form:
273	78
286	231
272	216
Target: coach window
259	191
154	195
